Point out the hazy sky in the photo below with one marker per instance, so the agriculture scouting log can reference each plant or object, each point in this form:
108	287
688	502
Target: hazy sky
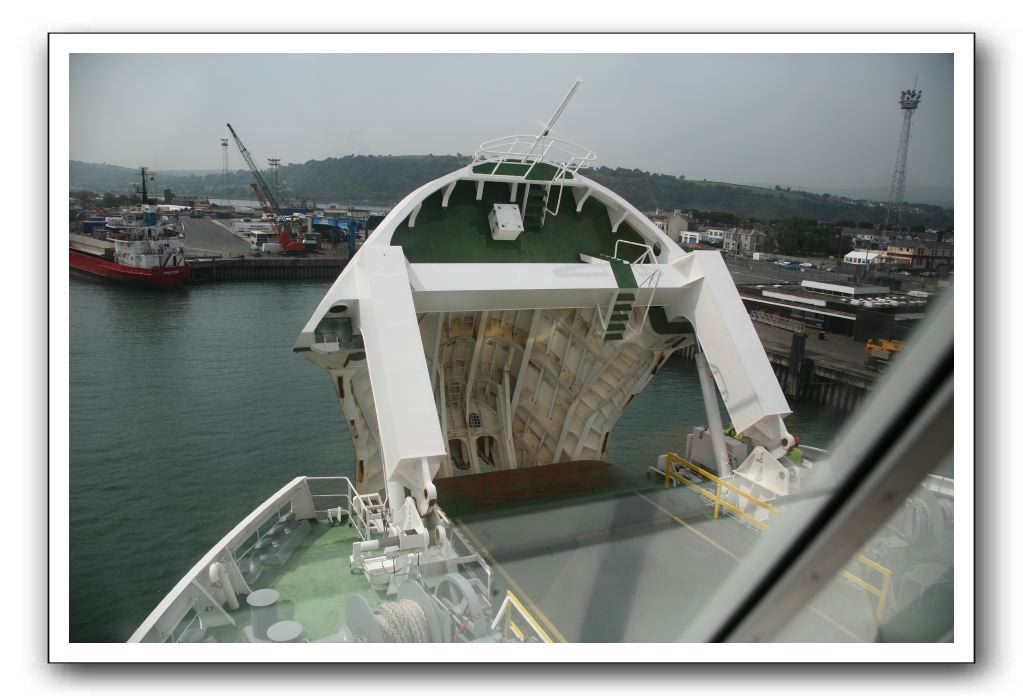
798	120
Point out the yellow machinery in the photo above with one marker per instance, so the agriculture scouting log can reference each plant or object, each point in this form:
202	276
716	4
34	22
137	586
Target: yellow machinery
880	352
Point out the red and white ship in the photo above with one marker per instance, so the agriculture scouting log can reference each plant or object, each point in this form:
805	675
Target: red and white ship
150	254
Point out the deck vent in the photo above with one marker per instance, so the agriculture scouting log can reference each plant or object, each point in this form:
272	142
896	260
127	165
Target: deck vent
475	421
505	222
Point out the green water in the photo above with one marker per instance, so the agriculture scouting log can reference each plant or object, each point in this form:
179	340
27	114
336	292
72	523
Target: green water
188	409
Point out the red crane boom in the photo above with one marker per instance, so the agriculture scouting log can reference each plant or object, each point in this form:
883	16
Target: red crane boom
288	245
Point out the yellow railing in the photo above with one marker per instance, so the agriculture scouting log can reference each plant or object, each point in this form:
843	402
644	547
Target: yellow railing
881	592
506	621
715	496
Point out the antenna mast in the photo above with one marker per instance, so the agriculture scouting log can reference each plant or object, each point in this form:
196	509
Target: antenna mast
557	114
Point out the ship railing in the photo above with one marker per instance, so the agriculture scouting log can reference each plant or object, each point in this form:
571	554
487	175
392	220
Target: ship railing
513	620
343	499
715	496
366	511
529	151
860	567
196	594
940	485
792	325
322	509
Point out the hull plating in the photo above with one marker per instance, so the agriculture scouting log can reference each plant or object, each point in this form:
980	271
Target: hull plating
109	270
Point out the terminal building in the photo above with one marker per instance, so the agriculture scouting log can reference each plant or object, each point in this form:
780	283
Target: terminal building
860	312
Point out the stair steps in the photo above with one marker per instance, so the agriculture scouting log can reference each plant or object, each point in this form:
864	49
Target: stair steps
621	314
533	212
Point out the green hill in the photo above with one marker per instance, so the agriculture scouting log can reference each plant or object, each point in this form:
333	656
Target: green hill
386	179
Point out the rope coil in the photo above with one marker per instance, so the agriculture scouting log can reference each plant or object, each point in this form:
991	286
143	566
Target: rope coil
403	621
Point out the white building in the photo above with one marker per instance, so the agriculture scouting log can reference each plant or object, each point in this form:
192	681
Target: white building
713	236
862	258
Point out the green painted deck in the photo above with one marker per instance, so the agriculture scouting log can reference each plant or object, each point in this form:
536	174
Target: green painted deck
624	276
314	585
461	233
542	171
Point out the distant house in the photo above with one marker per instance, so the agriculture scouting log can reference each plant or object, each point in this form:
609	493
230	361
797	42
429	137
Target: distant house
660	220
712	235
862	257
920	255
745	240
677	224
689	238
730	241
752	240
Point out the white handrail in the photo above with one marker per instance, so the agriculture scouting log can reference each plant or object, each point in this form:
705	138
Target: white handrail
649	251
567	157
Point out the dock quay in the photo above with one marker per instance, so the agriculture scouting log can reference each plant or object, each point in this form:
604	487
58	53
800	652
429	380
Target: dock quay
212	268
827	371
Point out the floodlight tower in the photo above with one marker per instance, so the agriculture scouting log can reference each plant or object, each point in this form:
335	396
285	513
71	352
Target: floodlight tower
223	145
275	164
908	101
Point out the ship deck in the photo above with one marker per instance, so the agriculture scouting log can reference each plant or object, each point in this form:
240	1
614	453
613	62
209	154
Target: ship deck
591	555
634	566
314	585
460	233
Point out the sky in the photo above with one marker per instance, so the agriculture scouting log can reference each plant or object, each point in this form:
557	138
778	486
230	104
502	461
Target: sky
821	120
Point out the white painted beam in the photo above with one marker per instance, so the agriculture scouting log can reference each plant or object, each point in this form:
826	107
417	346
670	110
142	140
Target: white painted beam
617	217
527	353
414	215
411	443
740	367
580	194
447	194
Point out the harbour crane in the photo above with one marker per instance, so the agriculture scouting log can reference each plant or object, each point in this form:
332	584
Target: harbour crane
267	193
89	203
284	238
267	200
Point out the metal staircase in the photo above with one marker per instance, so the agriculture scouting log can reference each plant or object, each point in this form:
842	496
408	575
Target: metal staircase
535	207
619	316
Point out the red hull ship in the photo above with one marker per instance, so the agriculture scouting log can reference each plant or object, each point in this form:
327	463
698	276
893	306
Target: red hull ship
109	270
136	250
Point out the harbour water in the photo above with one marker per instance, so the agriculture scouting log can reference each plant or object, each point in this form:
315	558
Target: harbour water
188	409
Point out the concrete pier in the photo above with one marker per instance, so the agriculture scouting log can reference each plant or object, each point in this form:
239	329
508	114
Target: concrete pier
264	268
215	253
827	371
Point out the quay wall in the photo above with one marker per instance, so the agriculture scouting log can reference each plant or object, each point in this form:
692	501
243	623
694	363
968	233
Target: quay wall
206	270
814	379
